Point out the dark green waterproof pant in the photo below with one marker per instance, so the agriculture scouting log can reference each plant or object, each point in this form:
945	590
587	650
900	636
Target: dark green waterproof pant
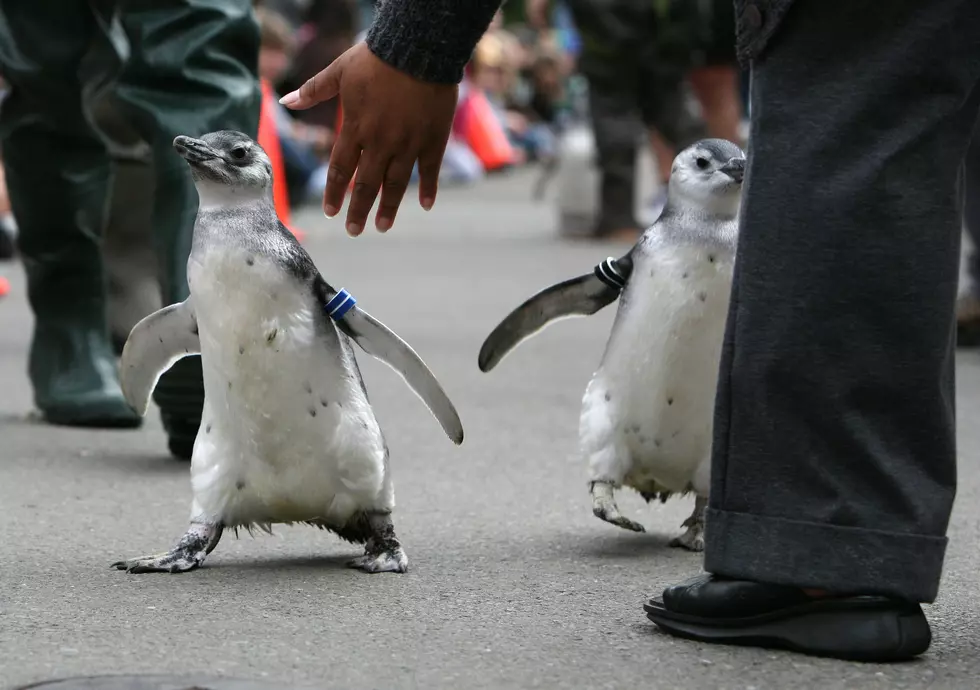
172	67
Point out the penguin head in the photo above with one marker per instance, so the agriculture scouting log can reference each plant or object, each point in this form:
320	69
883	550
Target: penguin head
227	167
707	177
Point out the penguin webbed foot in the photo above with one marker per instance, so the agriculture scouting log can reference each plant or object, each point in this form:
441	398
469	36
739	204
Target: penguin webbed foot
187	554
391	560
604	507
693	537
382	552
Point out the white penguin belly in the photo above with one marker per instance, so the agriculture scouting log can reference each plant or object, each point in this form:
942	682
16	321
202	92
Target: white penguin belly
647	413
287	432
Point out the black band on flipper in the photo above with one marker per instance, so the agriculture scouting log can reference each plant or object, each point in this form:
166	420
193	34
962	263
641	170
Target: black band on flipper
610	273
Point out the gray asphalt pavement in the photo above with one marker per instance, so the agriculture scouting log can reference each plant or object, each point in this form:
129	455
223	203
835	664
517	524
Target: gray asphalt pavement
512	583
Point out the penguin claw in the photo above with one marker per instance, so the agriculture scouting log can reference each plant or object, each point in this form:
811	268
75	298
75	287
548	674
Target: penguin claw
171	562
604	507
693	537
389	561
621	521
187	554
689	541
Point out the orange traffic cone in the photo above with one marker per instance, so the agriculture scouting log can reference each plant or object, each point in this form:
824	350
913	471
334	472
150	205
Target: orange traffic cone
481	130
269	141
4	286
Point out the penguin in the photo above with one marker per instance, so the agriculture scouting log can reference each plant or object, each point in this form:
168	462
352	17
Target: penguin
288	434
647	413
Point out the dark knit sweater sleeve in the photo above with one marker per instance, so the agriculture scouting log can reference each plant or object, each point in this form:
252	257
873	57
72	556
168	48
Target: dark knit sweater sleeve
430	39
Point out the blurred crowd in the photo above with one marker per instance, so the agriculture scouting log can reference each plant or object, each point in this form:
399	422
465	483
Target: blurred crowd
523	88
633	75
661	74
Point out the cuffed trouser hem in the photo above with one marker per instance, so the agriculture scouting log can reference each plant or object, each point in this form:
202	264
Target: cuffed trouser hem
846	560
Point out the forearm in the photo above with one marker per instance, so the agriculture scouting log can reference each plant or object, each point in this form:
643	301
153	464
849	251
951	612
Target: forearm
430	39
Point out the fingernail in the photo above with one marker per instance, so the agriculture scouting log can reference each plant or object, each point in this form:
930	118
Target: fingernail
353	229
289	99
384	224
427	203
330	211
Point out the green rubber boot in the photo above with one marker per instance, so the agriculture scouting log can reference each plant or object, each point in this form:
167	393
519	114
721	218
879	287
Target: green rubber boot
57	176
193	70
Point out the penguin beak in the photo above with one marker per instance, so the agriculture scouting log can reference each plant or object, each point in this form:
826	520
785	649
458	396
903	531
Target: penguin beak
194	150
735	169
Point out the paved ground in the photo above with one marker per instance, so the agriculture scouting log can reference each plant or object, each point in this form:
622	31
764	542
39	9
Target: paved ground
513	583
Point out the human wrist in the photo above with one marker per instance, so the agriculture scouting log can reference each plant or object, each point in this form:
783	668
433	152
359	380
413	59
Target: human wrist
432	40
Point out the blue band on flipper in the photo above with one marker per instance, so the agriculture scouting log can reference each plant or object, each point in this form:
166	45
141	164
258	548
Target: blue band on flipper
610	274
341	303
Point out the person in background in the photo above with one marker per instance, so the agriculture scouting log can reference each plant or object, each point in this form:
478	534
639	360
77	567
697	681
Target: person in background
544	108
634	86
190	69
567	37
676	45
709	47
494	72
701	36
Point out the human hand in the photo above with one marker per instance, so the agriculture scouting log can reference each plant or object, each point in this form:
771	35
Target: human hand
391	120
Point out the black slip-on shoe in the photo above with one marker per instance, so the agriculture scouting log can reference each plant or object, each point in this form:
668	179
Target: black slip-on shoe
854	628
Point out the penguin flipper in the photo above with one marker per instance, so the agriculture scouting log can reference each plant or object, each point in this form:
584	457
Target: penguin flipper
382	343
154	345
581	296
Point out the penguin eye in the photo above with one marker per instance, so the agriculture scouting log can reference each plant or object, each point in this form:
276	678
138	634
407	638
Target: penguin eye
702	162
238	153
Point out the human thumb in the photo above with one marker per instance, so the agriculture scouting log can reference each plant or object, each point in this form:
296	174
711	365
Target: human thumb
322	86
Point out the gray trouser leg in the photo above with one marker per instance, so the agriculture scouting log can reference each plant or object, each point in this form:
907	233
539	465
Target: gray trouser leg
834	443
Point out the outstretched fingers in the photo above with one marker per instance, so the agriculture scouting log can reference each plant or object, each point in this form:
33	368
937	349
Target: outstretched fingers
375	172
367	183
396	180
340	170
321	87
430	162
